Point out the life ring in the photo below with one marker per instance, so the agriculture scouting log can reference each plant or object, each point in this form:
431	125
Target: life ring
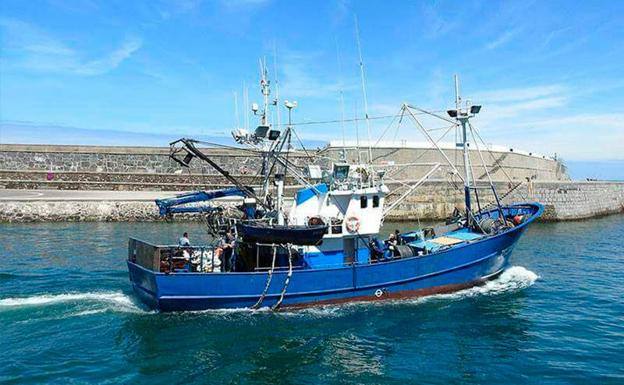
352	224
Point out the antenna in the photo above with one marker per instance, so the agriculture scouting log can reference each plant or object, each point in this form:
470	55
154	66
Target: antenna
457	97
357	133
246	103
357	36
276	102
342	109
237	117
264	85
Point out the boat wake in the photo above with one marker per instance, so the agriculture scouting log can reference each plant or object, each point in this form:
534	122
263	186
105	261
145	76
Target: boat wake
511	280
102	301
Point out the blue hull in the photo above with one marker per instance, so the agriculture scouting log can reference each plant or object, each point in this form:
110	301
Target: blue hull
455	268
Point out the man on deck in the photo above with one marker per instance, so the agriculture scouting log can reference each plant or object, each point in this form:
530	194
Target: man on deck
184	240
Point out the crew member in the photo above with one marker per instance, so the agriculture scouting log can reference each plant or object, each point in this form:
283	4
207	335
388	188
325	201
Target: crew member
397	235
184	240
226	244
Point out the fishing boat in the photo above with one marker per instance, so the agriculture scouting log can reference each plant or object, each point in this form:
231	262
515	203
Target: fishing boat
326	248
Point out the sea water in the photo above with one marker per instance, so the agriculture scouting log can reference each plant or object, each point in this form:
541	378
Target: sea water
68	315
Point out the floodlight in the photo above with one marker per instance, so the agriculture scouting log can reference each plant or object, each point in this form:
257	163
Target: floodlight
475	109
274	134
452	113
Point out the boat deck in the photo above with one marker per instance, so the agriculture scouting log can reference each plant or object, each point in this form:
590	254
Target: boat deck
446	240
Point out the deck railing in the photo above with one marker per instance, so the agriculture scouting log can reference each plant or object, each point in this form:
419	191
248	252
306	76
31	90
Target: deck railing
173	258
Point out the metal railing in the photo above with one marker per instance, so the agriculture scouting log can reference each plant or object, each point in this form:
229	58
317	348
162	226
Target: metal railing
174	258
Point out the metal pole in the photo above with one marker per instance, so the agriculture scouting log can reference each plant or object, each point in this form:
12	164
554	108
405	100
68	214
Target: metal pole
463	121
363	78
277	106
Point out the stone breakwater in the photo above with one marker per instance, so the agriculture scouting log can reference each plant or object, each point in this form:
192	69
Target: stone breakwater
78	211
151	168
562	200
436	200
85	211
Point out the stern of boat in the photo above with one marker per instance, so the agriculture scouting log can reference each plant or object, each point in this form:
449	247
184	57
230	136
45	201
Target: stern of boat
143	263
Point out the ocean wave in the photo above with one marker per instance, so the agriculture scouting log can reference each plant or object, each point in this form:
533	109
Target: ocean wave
114	301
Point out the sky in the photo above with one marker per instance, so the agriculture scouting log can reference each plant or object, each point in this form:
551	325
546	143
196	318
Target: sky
549	74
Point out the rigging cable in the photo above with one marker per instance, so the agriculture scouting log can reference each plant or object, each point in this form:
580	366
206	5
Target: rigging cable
486	170
502	168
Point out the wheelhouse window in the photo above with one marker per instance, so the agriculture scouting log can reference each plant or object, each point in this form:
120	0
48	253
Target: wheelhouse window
363	202
375	201
341	172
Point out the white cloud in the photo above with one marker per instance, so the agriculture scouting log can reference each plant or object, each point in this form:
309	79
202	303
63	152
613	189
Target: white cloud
32	48
169	9
110	61
517	94
540	119
588	136
436	24
385	109
517	103
242	4
502	39
298	77
509	110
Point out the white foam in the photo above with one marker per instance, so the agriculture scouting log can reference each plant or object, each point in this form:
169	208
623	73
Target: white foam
116	301
89	312
513	279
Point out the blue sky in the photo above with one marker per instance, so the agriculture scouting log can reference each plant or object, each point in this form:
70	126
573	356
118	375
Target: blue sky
549	74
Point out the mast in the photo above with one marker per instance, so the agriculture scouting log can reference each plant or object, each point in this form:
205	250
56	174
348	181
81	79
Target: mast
279	179
264	87
463	117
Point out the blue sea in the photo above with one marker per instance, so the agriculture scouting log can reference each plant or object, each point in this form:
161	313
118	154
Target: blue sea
67	315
